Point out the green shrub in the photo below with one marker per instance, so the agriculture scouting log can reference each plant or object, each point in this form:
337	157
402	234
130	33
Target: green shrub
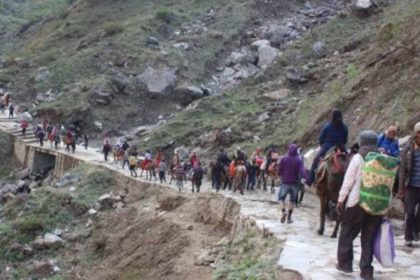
29	225
165	15
113	28
352	71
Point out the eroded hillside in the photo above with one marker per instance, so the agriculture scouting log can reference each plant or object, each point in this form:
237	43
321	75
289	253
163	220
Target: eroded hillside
369	70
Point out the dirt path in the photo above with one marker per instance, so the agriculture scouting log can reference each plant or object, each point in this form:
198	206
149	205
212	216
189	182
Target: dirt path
304	251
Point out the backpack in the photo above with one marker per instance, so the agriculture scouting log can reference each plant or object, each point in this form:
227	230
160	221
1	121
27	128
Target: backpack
132	160
378	176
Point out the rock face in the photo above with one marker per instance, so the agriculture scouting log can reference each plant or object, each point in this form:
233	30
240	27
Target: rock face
158	80
266	55
185	94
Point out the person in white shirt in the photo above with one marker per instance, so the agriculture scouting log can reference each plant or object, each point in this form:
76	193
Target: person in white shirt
356	219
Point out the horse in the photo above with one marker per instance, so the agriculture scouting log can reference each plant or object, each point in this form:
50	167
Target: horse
118	154
328	181
239	177
149	166
269	172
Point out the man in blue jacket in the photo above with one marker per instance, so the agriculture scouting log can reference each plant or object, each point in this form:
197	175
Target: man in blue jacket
334	133
388	142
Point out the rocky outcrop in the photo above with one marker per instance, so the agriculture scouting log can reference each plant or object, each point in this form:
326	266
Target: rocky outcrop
99	97
157	81
185	94
266	55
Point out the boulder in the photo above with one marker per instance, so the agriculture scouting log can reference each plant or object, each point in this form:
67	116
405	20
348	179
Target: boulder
185	94
119	83
228	71
182	46
52	241
108	201
157	80
320	49
99	97
263	117
238	58
363	4
277	95
66	180
266	55
276	34
99	126
296	76
152	41
257	44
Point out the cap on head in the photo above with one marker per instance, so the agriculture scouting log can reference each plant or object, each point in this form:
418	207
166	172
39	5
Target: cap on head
368	138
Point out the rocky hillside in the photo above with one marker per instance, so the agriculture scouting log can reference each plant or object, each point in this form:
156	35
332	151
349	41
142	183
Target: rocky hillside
363	64
211	73
113	65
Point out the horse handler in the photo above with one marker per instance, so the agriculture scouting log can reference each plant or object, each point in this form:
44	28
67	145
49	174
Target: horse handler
290	170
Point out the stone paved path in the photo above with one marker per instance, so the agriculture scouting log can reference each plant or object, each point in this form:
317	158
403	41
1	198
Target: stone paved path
304	251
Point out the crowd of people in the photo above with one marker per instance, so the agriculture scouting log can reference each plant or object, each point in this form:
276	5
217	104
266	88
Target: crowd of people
289	170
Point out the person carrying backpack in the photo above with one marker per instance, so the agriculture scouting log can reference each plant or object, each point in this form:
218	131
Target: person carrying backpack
132	160
366	204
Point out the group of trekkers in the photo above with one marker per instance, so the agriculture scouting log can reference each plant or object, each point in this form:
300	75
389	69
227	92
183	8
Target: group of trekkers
6	105
375	172
56	134
179	170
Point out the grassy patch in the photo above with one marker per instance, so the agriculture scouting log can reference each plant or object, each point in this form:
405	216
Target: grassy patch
94	183
113	28
250	258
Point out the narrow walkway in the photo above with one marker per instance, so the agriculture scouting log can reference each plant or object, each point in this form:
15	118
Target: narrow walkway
304	251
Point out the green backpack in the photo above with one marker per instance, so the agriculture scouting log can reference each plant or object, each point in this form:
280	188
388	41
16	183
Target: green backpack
378	176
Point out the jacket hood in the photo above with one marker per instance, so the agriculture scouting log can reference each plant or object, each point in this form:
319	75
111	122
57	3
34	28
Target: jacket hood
293	150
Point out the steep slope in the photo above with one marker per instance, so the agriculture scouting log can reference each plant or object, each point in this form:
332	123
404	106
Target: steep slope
370	71
118	62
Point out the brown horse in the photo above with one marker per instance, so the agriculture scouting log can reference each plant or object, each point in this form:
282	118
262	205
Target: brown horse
149	166
239	179
329	179
268	174
118	154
